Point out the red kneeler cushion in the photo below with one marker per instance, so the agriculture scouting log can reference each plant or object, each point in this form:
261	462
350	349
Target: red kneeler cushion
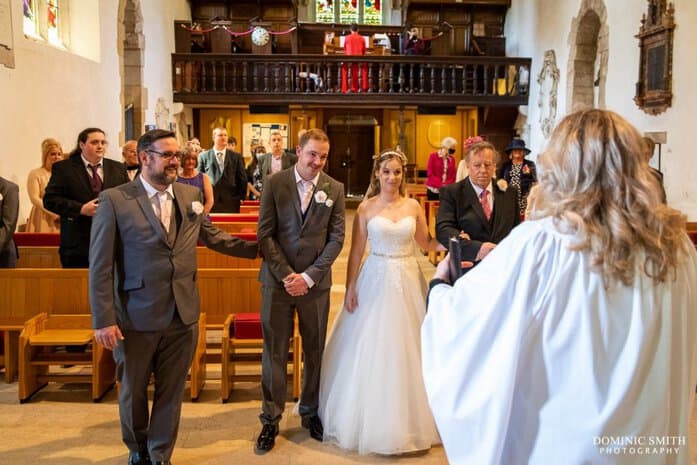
246	326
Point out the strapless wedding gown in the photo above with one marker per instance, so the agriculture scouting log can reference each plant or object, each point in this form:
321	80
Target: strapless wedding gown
372	395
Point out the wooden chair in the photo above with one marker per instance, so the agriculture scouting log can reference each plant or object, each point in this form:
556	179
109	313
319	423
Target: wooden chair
198	365
38	351
244	348
431	212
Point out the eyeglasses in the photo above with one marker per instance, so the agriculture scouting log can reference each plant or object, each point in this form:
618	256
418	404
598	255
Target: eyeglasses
167	155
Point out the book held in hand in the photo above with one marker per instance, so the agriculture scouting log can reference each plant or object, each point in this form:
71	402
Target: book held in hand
455	263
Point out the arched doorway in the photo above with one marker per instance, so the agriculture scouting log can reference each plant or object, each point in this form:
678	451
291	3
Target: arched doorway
587	73
131	43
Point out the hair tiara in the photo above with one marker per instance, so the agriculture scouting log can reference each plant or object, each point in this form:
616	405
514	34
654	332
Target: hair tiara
396	153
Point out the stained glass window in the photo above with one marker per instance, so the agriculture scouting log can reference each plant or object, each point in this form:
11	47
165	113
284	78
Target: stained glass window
31	21
372	13
53	23
348	11
324	11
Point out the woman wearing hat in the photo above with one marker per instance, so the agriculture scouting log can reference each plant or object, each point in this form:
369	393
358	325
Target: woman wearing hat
519	172
440	170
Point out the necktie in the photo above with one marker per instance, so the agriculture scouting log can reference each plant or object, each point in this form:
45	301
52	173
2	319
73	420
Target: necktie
95	180
485	204
219	157
307	195
165	210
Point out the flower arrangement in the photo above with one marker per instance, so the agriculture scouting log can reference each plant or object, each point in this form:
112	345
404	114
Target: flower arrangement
502	185
322	195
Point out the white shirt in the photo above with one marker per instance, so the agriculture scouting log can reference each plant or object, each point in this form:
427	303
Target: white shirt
276	163
299	183
528	359
100	167
161	202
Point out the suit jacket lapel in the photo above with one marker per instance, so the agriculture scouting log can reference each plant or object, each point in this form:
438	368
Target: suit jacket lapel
138	192
182	204
498	207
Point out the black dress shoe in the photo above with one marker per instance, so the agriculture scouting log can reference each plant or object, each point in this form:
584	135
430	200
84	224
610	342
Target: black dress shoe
267	438
162	462
139	458
314	424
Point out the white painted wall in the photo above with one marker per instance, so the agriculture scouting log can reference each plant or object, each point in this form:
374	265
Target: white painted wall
54	93
533	26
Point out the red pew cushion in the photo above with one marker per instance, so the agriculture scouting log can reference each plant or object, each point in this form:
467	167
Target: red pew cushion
246	326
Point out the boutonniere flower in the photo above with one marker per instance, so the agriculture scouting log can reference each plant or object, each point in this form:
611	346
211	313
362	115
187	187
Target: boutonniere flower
196	207
502	185
526	169
322	195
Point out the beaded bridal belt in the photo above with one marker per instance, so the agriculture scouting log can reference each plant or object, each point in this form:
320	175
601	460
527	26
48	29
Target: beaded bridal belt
385	255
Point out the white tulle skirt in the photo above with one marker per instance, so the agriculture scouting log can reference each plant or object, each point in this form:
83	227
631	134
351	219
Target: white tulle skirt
372	395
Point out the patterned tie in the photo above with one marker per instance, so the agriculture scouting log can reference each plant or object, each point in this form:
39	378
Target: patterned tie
307	195
485	204
95	180
219	157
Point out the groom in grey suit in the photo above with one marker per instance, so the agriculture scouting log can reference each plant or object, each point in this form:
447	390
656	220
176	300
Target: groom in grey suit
301	232
143	291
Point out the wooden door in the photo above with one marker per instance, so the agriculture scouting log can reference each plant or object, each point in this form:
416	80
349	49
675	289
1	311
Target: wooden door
351	156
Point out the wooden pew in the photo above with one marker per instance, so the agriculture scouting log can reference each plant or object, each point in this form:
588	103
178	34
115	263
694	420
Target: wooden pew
41	251
24	293
236	222
38	344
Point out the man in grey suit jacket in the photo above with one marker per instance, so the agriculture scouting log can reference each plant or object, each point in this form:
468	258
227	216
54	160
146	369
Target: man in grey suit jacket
276	160
143	291
301	232
227	173
9	211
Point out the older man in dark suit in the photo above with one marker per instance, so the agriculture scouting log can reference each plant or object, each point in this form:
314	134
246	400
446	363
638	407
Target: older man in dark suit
301	232
143	291
72	193
9	211
227	173
478	206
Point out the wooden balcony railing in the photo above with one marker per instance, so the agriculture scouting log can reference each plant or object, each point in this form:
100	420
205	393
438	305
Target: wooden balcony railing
317	79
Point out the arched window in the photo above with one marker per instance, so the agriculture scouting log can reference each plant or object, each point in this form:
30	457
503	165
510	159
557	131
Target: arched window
348	11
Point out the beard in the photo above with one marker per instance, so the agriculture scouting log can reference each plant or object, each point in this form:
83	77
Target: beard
165	177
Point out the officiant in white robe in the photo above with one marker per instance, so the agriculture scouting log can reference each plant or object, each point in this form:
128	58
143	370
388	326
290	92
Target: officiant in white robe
544	355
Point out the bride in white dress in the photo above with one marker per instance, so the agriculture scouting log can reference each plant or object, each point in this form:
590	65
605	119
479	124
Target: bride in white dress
372	395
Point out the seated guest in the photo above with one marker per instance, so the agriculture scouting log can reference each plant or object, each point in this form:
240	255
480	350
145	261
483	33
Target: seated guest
130	158
40	219
72	193
477	206
519	172
192	176
9	211
277	159
575	337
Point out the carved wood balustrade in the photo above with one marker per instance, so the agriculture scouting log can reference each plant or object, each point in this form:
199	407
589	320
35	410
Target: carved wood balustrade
317	79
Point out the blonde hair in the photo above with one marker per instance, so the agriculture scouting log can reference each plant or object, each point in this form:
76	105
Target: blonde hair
378	160
46	146
596	184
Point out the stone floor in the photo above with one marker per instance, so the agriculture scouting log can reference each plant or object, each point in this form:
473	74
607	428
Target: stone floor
61	426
